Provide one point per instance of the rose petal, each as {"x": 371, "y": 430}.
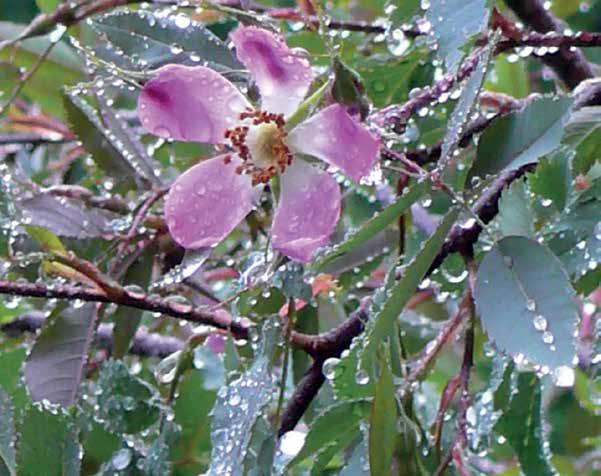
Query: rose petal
{"x": 336, "y": 138}
{"x": 190, "y": 104}
{"x": 207, "y": 202}
{"x": 308, "y": 211}
{"x": 282, "y": 75}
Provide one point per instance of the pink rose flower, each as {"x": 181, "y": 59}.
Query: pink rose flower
{"x": 210, "y": 199}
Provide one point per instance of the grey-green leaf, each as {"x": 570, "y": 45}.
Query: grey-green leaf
{"x": 66, "y": 217}
{"x": 331, "y": 425}
{"x": 516, "y": 216}
{"x": 376, "y": 224}
{"x": 109, "y": 153}
{"x": 54, "y": 367}
{"x": 522, "y": 137}
{"x": 238, "y": 407}
{"x": 125, "y": 402}
{"x": 454, "y": 23}
{"x": 525, "y": 301}
{"x": 521, "y": 424}
{"x": 146, "y": 40}
{"x": 381, "y": 325}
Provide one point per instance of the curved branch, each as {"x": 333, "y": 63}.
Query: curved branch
{"x": 570, "y": 65}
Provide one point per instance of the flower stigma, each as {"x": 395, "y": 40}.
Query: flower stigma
{"x": 260, "y": 141}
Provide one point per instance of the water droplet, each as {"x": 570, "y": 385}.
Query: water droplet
{"x": 121, "y": 459}
{"x": 564, "y": 376}
{"x": 540, "y": 323}
{"x": 292, "y": 442}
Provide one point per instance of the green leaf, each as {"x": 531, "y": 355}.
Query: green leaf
{"x": 522, "y": 137}
{"x": 64, "y": 217}
{"x": 537, "y": 317}
{"x": 191, "y": 409}
{"x": 141, "y": 40}
{"x": 388, "y": 80}
{"x": 511, "y": 77}
{"x": 62, "y": 65}
{"x": 7, "y": 435}
{"x": 463, "y": 110}
{"x": 48, "y": 240}
{"x": 381, "y": 325}
{"x": 383, "y": 423}
{"x": 454, "y": 24}
{"x": 48, "y": 6}
{"x": 552, "y": 178}
{"x": 515, "y": 216}
{"x": 583, "y": 134}
{"x": 521, "y": 424}
{"x": 348, "y": 87}
{"x": 333, "y": 424}
{"x": 376, "y": 224}
{"x": 109, "y": 153}
{"x": 54, "y": 367}
{"x": 127, "y": 142}
{"x": 239, "y": 405}
{"x": 47, "y": 444}
{"x": 10, "y": 75}
{"x": 125, "y": 402}
{"x": 128, "y": 319}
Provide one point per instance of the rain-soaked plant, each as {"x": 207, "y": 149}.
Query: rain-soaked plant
{"x": 347, "y": 237}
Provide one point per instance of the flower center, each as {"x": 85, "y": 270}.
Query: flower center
{"x": 260, "y": 142}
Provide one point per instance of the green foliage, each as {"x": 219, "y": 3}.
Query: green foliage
{"x": 235, "y": 359}
{"x": 522, "y": 426}
{"x": 522, "y": 137}
{"x": 538, "y": 315}
{"x": 47, "y": 443}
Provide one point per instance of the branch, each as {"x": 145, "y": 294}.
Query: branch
{"x": 570, "y": 65}
{"x": 144, "y": 343}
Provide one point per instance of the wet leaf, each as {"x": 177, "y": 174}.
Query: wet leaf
{"x": 7, "y": 435}
{"x": 332, "y": 425}
{"x": 522, "y": 424}
{"x": 47, "y": 444}
{"x": 380, "y": 326}
{"x": 125, "y": 402}
{"x": 538, "y": 315}
{"x": 383, "y": 423}
{"x": 65, "y": 217}
{"x": 127, "y": 142}
{"x": 522, "y": 137}
{"x": 516, "y": 216}
{"x": 239, "y": 405}
{"x": 62, "y": 65}
{"x": 375, "y": 225}
{"x": 465, "y": 106}
{"x": 127, "y": 320}
{"x": 108, "y": 151}
{"x": 54, "y": 367}
{"x": 192, "y": 408}
{"x": 147, "y": 40}
{"x": 454, "y": 23}
{"x": 552, "y": 178}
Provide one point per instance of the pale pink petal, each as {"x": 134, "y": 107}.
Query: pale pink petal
{"x": 190, "y": 104}
{"x": 333, "y": 136}
{"x": 207, "y": 202}
{"x": 308, "y": 211}
{"x": 283, "y": 76}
